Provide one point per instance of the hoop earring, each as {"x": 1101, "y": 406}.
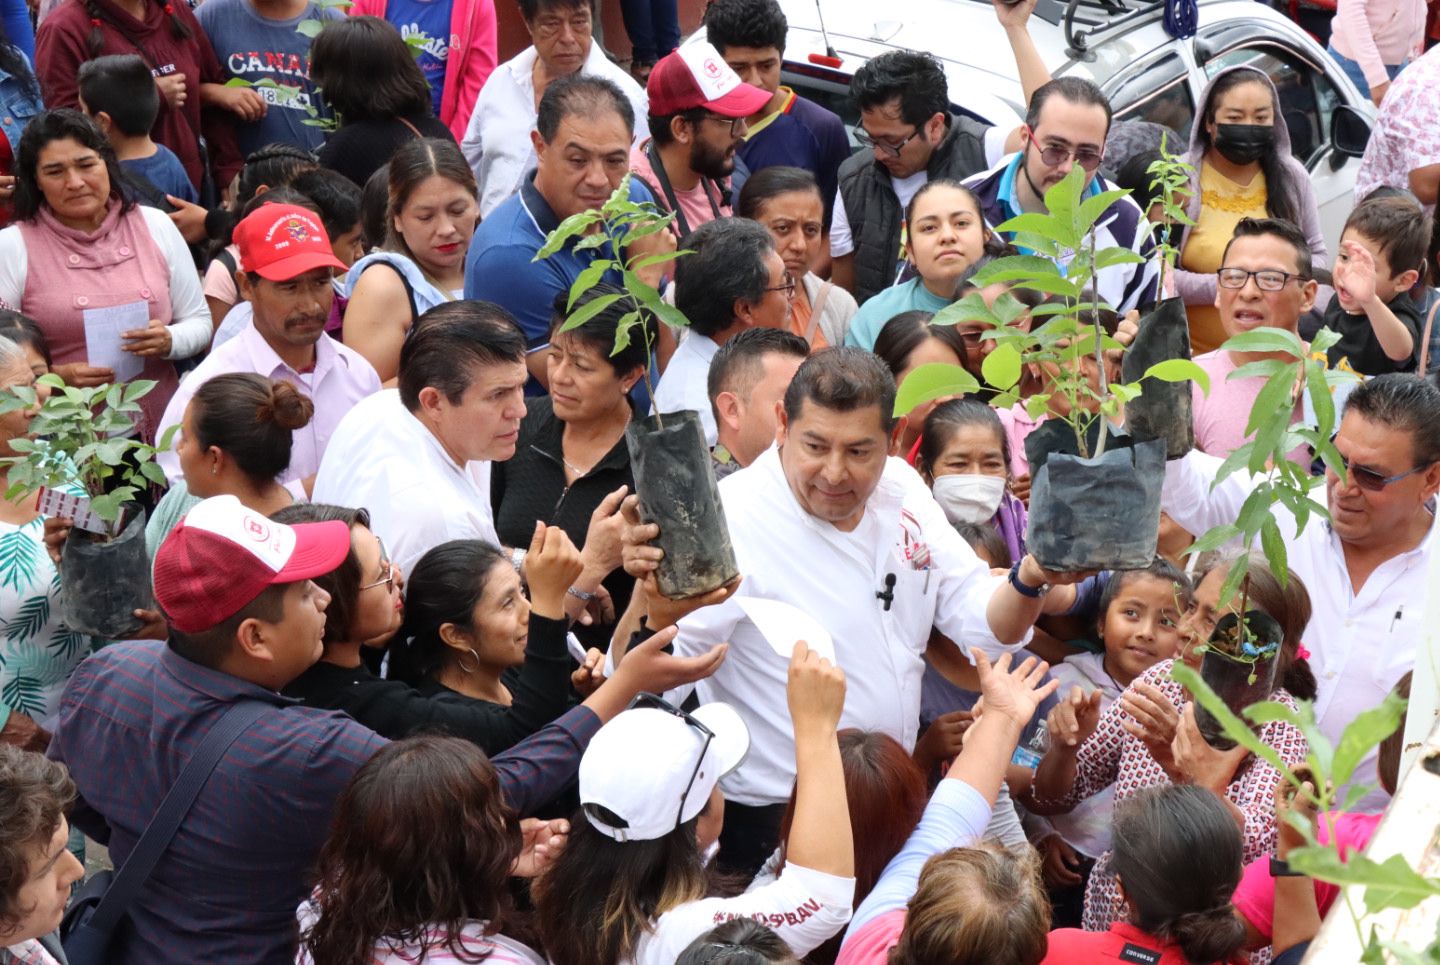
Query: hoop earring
{"x": 461, "y": 661}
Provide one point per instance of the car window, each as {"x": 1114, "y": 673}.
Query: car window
{"x": 1307, "y": 97}
{"x": 1157, "y": 92}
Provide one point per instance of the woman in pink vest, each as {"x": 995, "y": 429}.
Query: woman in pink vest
{"x": 111, "y": 284}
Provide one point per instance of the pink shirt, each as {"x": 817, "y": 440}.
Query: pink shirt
{"x": 1378, "y": 33}
{"x": 1255, "y": 897}
{"x": 698, "y": 204}
{"x": 1220, "y": 417}
{"x": 1407, "y": 132}
{"x": 1018, "y": 425}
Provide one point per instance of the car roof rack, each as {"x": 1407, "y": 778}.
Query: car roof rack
{"x": 1083, "y": 20}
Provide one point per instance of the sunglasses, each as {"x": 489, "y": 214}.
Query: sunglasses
{"x": 1372, "y": 481}
{"x": 1054, "y": 156}
{"x": 655, "y": 702}
{"x": 389, "y": 579}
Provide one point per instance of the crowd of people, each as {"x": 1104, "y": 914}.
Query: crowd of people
{"x": 408, "y": 689}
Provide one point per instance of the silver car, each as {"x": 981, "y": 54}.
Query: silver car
{"x": 1121, "y": 45}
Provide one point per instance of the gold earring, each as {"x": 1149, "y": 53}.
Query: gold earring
{"x": 461, "y": 661}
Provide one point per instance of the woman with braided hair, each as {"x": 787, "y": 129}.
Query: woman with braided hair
{"x": 194, "y": 103}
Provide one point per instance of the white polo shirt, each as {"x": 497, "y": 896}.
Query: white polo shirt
{"x": 1360, "y": 643}
{"x": 383, "y": 459}
{"x": 788, "y": 555}
{"x": 497, "y": 140}
{"x": 683, "y": 383}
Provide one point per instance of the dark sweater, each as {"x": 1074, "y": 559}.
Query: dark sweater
{"x": 392, "y": 709}
{"x": 1359, "y": 344}
{"x": 531, "y": 486}
{"x": 359, "y": 149}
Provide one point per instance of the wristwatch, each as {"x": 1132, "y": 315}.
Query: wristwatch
{"x": 1033, "y": 592}
{"x": 1282, "y": 869}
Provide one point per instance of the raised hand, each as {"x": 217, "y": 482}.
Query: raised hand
{"x": 1013, "y": 693}
{"x": 815, "y": 692}
{"x": 551, "y": 566}
{"x": 1074, "y": 718}
{"x": 1152, "y": 718}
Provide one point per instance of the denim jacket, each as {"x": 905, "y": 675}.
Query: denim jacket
{"x": 19, "y": 103}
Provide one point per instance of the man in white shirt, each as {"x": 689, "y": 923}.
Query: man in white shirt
{"x": 747, "y": 382}
{"x": 286, "y": 270}
{"x": 418, "y": 456}
{"x": 733, "y": 281}
{"x": 829, "y": 523}
{"x": 497, "y": 140}
{"x": 1366, "y": 569}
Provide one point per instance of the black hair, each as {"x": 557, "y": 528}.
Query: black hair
{"x": 727, "y": 265}
{"x": 993, "y": 244}
{"x": 1161, "y": 569}
{"x": 530, "y": 9}
{"x": 337, "y": 197}
{"x": 739, "y": 364}
{"x": 1280, "y": 187}
{"x": 449, "y": 342}
{"x": 582, "y": 94}
{"x": 375, "y": 207}
{"x": 771, "y": 182}
{"x": 251, "y": 419}
{"x": 1179, "y": 856}
{"x": 60, "y": 125}
{"x": 272, "y": 166}
{"x": 598, "y": 331}
{"x": 444, "y": 587}
{"x": 659, "y": 124}
{"x": 284, "y": 195}
{"x": 1397, "y": 226}
{"x": 25, "y": 332}
{"x": 745, "y": 23}
{"x": 416, "y": 162}
{"x": 843, "y": 378}
{"x": 367, "y": 71}
{"x": 987, "y": 537}
{"x": 1134, "y": 176}
{"x": 13, "y": 62}
{"x": 1279, "y": 228}
{"x": 1076, "y": 90}
{"x": 914, "y": 77}
{"x": 947, "y": 418}
{"x": 97, "y": 15}
{"x": 342, "y": 583}
{"x": 906, "y": 332}
{"x": 121, "y": 86}
{"x": 739, "y": 941}
{"x": 1402, "y": 401}
{"x": 211, "y": 646}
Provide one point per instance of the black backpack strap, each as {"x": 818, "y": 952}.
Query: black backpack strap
{"x": 228, "y": 260}
{"x": 133, "y": 874}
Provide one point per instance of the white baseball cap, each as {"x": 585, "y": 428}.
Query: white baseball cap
{"x": 654, "y": 769}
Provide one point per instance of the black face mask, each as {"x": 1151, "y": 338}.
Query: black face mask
{"x": 1244, "y": 143}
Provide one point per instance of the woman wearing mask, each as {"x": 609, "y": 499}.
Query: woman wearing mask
{"x": 431, "y": 218}
{"x": 965, "y": 457}
{"x": 948, "y": 237}
{"x": 908, "y": 341}
{"x": 1240, "y": 149}
{"x": 786, "y": 201}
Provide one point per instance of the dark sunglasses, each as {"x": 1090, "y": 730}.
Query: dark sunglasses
{"x": 656, "y": 702}
{"x": 1372, "y": 481}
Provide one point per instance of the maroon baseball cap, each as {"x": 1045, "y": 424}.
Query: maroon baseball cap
{"x": 223, "y": 555}
{"x": 281, "y": 241}
{"x": 695, "y": 75}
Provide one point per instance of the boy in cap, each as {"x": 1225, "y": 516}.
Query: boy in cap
{"x": 698, "y": 107}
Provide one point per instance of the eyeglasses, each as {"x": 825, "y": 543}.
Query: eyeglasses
{"x": 1055, "y": 155}
{"x": 884, "y": 147}
{"x": 787, "y": 286}
{"x": 1267, "y": 279}
{"x": 389, "y": 580}
{"x": 579, "y": 25}
{"x": 1370, "y": 480}
{"x": 738, "y": 127}
{"x": 654, "y": 702}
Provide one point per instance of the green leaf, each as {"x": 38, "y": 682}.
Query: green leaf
{"x": 152, "y": 473}
{"x": 1273, "y": 546}
{"x": 970, "y": 308}
{"x": 309, "y": 28}
{"x": 1213, "y": 539}
{"x": 1264, "y": 368}
{"x": 238, "y": 82}
{"x": 575, "y": 224}
{"x": 138, "y": 389}
{"x": 1238, "y": 569}
{"x": 1324, "y": 340}
{"x": 1045, "y": 225}
{"x": 1266, "y": 340}
{"x": 589, "y": 310}
{"x": 932, "y": 381}
{"x": 1179, "y": 370}
{"x": 1320, "y": 398}
{"x": 1273, "y": 402}
{"x": 1364, "y": 733}
{"x": 167, "y": 438}
{"x": 588, "y": 278}
{"x": 1388, "y": 884}
{"x": 1001, "y": 368}
{"x": 1092, "y": 209}
{"x": 1110, "y": 257}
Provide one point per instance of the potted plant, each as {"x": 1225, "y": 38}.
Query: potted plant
{"x": 1095, "y": 491}
{"x": 1164, "y": 410}
{"x": 79, "y": 452}
{"x": 671, "y": 464}
{"x": 1300, "y": 372}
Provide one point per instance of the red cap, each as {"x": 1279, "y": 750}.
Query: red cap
{"x": 223, "y": 555}
{"x": 694, "y": 76}
{"x": 280, "y": 241}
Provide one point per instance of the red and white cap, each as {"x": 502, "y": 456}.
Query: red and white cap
{"x": 223, "y": 555}
{"x": 280, "y": 241}
{"x": 695, "y": 75}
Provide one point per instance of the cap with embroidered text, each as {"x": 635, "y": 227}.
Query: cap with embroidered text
{"x": 695, "y": 75}
{"x": 223, "y": 555}
{"x": 280, "y": 241}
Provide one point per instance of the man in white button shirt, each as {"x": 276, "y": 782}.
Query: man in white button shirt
{"x": 1366, "y": 568}
{"x": 497, "y": 141}
{"x": 734, "y": 280}
{"x": 829, "y": 523}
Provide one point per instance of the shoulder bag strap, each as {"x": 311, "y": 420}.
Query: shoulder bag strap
{"x": 162, "y": 827}
{"x": 1425, "y": 338}
{"x": 413, "y": 129}
{"x": 817, "y": 308}
{"x": 658, "y": 168}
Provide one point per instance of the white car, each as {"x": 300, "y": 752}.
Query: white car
{"x": 1121, "y": 45}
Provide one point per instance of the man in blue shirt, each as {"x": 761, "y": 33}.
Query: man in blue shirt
{"x": 584, "y": 129}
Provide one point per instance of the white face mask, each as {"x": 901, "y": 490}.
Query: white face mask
{"x": 969, "y": 497}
